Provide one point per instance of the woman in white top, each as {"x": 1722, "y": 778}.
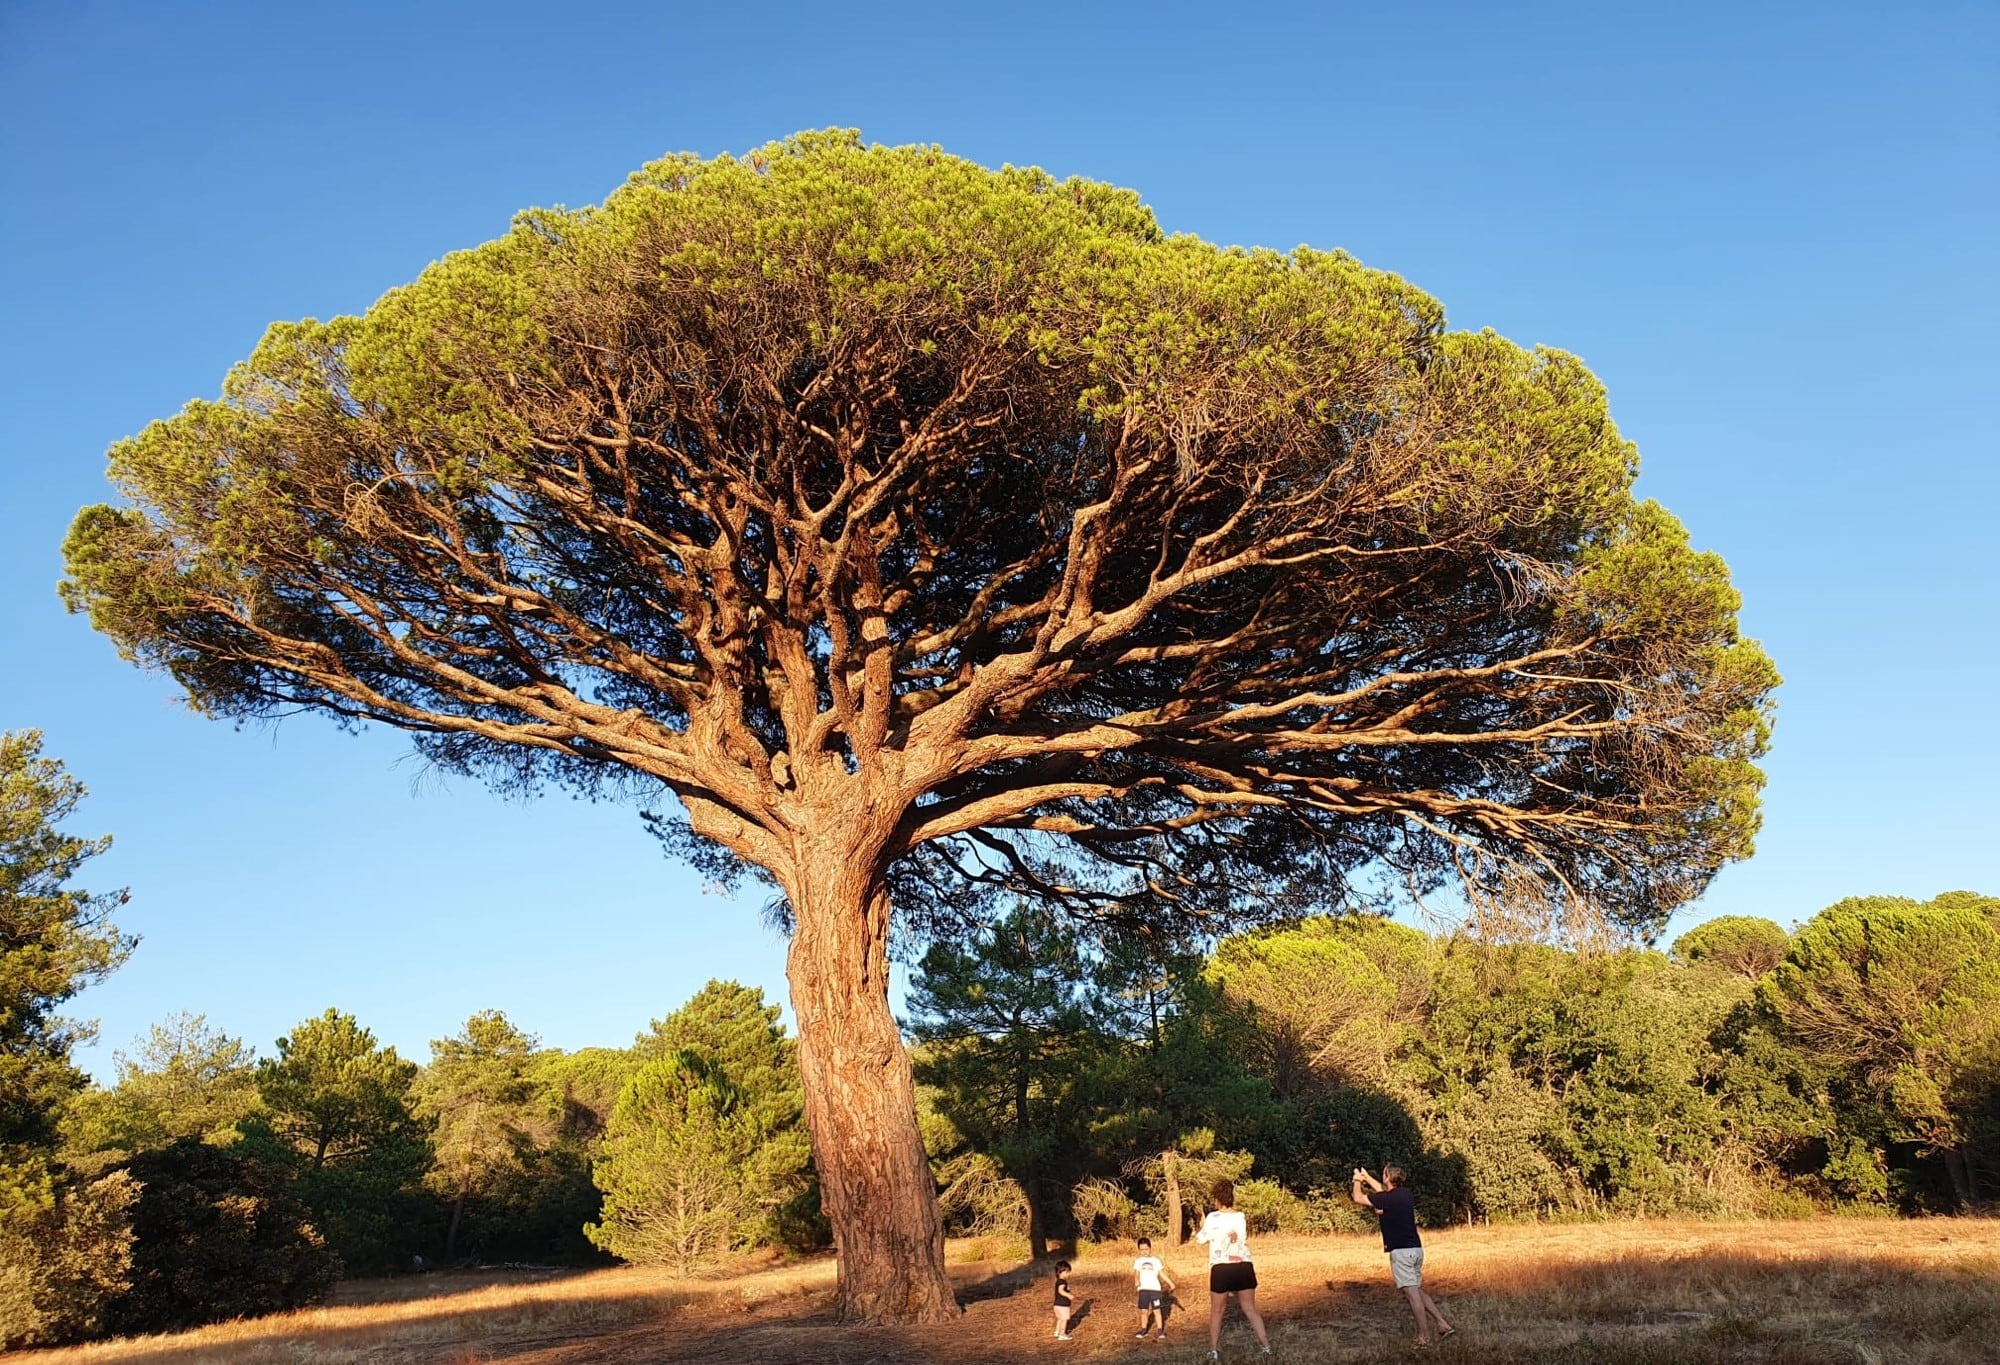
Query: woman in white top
{"x": 1230, "y": 1269}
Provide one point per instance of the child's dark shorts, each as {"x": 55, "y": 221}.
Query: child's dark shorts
{"x": 1149, "y": 1299}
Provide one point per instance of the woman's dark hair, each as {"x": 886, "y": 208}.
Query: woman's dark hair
{"x": 1224, "y": 1194}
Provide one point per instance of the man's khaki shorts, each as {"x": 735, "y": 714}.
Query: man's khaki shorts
{"x": 1407, "y": 1265}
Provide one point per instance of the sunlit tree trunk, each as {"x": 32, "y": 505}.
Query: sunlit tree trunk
{"x": 875, "y": 1182}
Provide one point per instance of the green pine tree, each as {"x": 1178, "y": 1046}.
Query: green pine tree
{"x": 338, "y": 1108}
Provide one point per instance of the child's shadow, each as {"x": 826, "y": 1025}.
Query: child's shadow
{"x": 1079, "y": 1313}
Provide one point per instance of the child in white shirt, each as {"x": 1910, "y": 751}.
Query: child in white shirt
{"x": 1151, "y": 1275}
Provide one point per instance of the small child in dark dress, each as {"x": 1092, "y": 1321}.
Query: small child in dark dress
{"x": 1063, "y": 1301}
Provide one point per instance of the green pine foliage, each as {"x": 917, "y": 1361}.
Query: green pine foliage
{"x": 1901, "y": 1001}
{"x": 338, "y": 1109}
{"x": 64, "y": 1242}
{"x": 218, "y": 1233}
{"x": 54, "y": 941}
{"x": 736, "y": 1034}
{"x": 1012, "y": 1041}
{"x": 676, "y": 1163}
{"x": 706, "y": 1152}
{"x": 1743, "y": 944}
{"x": 186, "y": 1080}
{"x": 477, "y": 1096}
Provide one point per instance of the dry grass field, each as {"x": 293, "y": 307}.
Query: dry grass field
{"x": 1867, "y": 1292}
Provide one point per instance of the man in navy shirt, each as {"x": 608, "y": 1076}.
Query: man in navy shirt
{"x": 1393, "y": 1203}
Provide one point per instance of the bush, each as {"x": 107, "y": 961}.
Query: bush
{"x": 64, "y": 1252}
{"x": 1332, "y": 1210}
{"x": 217, "y": 1234}
{"x": 1268, "y": 1206}
{"x": 1501, "y": 1131}
{"x": 978, "y": 1199}
{"x": 1103, "y": 1210}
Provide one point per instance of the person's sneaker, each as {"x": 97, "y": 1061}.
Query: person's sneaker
{"x": 1139, "y": 1335}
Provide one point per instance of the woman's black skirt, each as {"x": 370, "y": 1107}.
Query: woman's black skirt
{"x": 1232, "y": 1277}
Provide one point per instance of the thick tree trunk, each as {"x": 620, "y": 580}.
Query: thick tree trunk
{"x": 1031, "y": 1186}
{"x": 1957, "y": 1168}
{"x": 875, "y": 1182}
{"x": 457, "y": 1213}
{"x": 1038, "y": 1228}
{"x": 1173, "y": 1184}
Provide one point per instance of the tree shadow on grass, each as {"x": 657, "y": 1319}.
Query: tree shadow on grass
{"x": 1002, "y": 1284}
{"x": 444, "y": 1284}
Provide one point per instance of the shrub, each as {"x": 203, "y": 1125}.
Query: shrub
{"x": 1268, "y": 1206}
{"x": 978, "y": 1199}
{"x": 1103, "y": 1210}
{"x": 65, "y": 1250}
{"x": 217, "y": 1234}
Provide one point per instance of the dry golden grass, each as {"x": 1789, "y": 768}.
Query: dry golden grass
{"x": 1807, "y": 1293}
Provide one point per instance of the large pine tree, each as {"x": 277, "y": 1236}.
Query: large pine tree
{"x": 914, "y": 524}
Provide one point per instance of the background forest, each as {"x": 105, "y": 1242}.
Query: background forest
{"x": 1071, "y": 1088}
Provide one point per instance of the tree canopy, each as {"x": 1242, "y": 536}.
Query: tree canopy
{"x": 677, "y": 1170}
{"x": 844, "y": 458}
{"x": 186, "y": 1080}
{"x": 1904, "y": 997}
{"x": 923, "y": 525}
{"x": 54, "y": 940}
{"x": 476, "y": 1094}
{"x": 64, "y": 1241}
{"x": 1006, "y": 1020}
{"x": 337, "y": 1107}
{"x": 1743, "y": 944}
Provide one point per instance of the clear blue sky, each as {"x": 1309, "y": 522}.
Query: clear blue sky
{"x": 1770, "y": 228}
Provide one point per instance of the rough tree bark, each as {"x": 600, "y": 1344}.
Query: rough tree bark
{"x": 875, "y": 1182}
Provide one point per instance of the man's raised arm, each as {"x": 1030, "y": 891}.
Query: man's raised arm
{"x": 1361, "y": 1177}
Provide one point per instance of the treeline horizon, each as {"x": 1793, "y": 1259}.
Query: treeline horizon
{"x": 1075, "y": 1087}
